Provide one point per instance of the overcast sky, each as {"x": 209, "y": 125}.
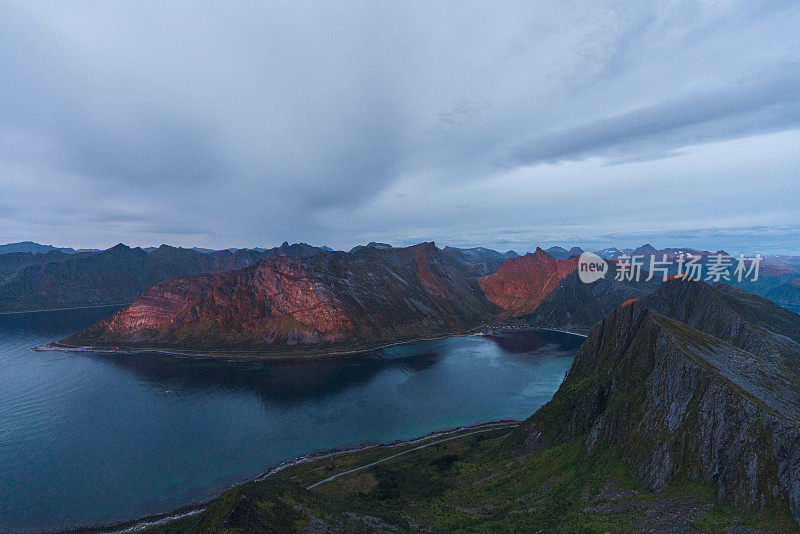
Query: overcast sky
{"x": 500, "y": 124}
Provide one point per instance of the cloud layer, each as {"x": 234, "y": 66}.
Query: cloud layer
{"x": 246, "y": 124}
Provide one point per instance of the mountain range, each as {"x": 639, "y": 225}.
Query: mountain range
{"x": 118, "y": 275}
{"x": 560, "y": 253}
{"x": 29, "y": 271}
{"x": 329, "y": 300}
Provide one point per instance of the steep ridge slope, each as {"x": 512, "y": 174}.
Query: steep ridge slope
{"x": 365, "y": 297}
{"x": 730, "y": 314}
{"x": 678, "y": 404}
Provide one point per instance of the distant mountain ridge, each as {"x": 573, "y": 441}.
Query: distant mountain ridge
{"x": 779, "y": 276}
{"x": 647, "y": 249}
{"x": 371, "y": 244}
{"x": 560, "y": 253}
{"x": 30, "y": 247}
{"x": 482, "y": 261}
{"x": 114, "y": 276}
{"x": 27, "y": 284}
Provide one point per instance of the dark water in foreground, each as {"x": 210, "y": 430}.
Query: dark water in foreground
{"x": 98, "y": 438}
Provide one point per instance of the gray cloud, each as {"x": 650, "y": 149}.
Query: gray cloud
{"x": 231, "y": 124}
{"x": 769, "y": 101}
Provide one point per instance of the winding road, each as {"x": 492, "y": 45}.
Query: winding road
{"x": 367, "y": 466}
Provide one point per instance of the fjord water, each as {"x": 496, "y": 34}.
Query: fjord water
{"x": 92, "y": 439}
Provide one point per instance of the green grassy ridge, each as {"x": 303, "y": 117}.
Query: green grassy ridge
{"x": 467, "y": 485}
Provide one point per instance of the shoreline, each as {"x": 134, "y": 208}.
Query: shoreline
{"x": 584, "y": 336}
{"x": 56, "y": 346}
{"x": 118, "y": 305}
{"x": 198, "y": 507}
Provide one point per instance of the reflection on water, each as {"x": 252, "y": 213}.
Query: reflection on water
{"x": 522, "y": 341}
{"x": 89, "y": 438}
{"x": 281, "y": 382}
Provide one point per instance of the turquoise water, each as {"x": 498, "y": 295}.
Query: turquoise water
{"x": 92, "y": 439}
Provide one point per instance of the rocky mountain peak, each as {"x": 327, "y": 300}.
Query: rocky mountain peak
{"x": 645, "y": 250}
{"x": 677, "y": 403}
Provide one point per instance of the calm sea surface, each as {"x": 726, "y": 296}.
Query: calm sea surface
{"x": 91, "y": 439}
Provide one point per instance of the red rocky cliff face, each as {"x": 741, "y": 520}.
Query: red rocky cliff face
{"x": 272, "y": 301}
{"x": 351, "y": 299}
{"x": 522, "y": 283}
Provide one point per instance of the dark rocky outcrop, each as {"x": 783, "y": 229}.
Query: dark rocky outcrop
{"x": 371, "y": 244}
{"x": 576, "y": 306}
{"x": 295, "y": 250}
{"x": 645, "y": 250}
